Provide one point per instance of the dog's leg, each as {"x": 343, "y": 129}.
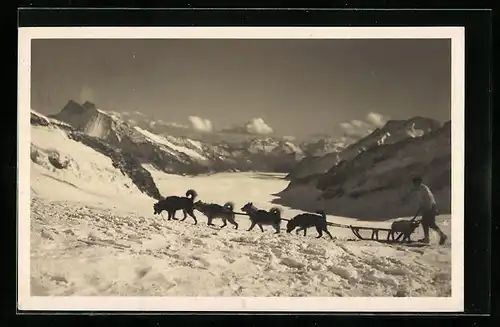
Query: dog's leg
{"x": 277, "y": 227}
{"x": 185, "y": 216}
{"x": 169, "y": 215}
{"x": 191, "y": 213}
{"x": 320, "y": 232}
{"x": 233, "y": 221}
{"x": 327, "y": 232}
{"x": 173, "y": 215}
{"x": 251, "y": 227}
{"x": 224, "y": 220}
{"x": 184, "y": 213}
{"x": 210, "y": 218}
{"x": 262, "y": 229}
{"x": 305, "y": 231}
{"x": 297, "y": 231}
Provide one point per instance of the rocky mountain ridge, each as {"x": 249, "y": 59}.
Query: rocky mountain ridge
{"x": 392, "y": 132}
{"x": 374, "y": 183}
{"x": 182, "y": 155}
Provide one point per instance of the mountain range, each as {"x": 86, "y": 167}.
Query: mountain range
{"x": 334, "y": 175}
{"x": 178, "y": 149}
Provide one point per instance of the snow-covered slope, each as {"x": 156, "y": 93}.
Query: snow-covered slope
{"x": 60, "y": 150}
{"x": 83, "y": 246}
{"x": 374, "y": 183}
{"x": 60, "y": 164}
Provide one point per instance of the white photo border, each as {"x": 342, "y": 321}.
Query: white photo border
{"x": 454, "y": 303}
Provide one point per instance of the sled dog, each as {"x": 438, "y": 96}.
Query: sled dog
{"x": 213, "y": 211}
{"x": 306, "y": 220}
{"x": 262, "y": 217}
{"x": 173, "y": 203}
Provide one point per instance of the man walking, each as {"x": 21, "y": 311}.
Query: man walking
{"x": 428, "y": 210}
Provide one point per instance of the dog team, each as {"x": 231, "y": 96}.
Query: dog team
{"x": 259, "y": 217}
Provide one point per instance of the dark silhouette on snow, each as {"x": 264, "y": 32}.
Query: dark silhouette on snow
{"x": 173, "y": 203}
{"x": 213, "y": 211}
{"x": 262, "y": 217}
{"x": 306, "y": 220}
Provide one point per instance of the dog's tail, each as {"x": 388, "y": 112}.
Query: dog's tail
{"x": 229, "y": 206}
{"x": 191, "y": 194}
{"x": 275, "y": 211}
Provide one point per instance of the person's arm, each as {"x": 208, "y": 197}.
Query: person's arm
{"x": 416, "y": 215}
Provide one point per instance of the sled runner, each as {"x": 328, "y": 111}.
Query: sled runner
{"x": 375, "y": 234}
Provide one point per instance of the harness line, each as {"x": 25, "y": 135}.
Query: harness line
{"x": 328, "y": 223}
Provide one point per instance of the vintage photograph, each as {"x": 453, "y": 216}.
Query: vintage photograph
{"x": 223, "y": 167}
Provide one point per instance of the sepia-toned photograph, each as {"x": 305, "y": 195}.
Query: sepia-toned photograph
{"x": 213, "y": 166}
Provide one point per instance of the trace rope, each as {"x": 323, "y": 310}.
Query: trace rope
{"x": 355, "y": 229}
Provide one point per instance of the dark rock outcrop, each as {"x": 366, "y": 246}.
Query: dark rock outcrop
{"x": 38, "y": 120}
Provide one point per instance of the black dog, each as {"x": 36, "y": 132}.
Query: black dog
{"x": 263, "y": 217}
{"x": 405, "y": 227}
{"x": 306, "y": 220}
{"x": 213, "y": 210}
{"x": 173, "y": 203}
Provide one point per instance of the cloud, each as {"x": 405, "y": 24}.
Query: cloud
{"x": 376, "y": 119}
{"x": 258, "y": 126}
{"x": 86, "y": 94}
{"x": 200, "y": 124}
{"x": 360, "y": 128}
{"x": 360, "y": 124}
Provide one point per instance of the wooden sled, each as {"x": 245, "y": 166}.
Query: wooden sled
{"x": 390, "y": 238}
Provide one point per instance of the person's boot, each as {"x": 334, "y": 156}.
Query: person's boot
{"x": 442, "y": 239}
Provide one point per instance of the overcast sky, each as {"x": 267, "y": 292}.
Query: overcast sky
{"x": 297, "y": 87}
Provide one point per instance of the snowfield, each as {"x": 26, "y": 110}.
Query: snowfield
{"x": 90, "y": 236}
{"x": 87, "y": 173}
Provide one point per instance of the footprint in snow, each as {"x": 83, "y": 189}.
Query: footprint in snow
{"x": 141, "y": 272}
{"x": 69, "y": 232}
{"x": 292, "y": 263}
{"x": 59, "y": 279}
{"x": 47, "y": 235}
